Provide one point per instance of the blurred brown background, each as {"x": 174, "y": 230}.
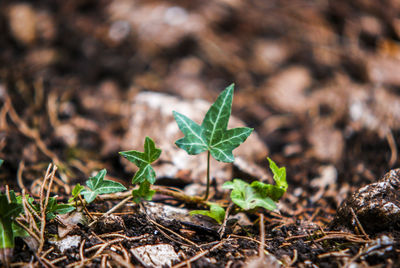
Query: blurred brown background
{"x": 318, "y": 80}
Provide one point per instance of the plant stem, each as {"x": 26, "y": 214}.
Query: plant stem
{"x": 208, "y": 176}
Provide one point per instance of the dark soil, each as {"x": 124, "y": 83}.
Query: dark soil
{"x": 317, "y": 80}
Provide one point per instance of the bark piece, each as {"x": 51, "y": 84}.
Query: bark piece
{"x": 376, "y": 205}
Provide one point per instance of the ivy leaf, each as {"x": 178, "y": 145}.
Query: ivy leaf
{"x": 248, "y": 197}
{"x": 144, "y": 192}
{"x": 98, "y": 185}
{"x": 279, "y": 174}
{"x": 54, "y": 208}
{"x": 8, "y": 212}
{"x": 76, "y": 191}
{"x": 216, "y": 212}
{"x": 268, "y": 190}
{"x": 212, "y": 135}
{"x": 143, "y": 161}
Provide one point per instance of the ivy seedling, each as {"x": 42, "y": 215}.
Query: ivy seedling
{"x": 98, "y": 185}
{"x": 212, "y": 135}
{"x": 259, "y": 194}
{"x": 76, "y": 191}
{"x": 146, "y": 175}
{"x": 216, "y": 212}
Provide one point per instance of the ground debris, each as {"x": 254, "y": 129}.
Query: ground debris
{"x": 159, "y": 255}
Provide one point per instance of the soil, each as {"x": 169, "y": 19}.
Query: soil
{"x": 318, "y": 81}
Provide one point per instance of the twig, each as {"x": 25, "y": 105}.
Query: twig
{"x": 341, "y": 253}
{"x": 81, "y": 255}
{"x": 47, "y": 252}
{"x": 58, "y": 260}
{"x": 359, "y": 224}
{"x": 221, "y": 231}
{"x": 262, "y": 236}
{"x": 85, "y": 208}
{"x": 393, "y": 148}
{"x": 43, "y": 203}
{"x": 245, "y": 237}
{"x": 103, "y": 262}
{"x": 294, "y": 259}
{"x": 198, "y": 256}
{"x": 8, "y": 193}
{"x": 160, "y": 190}
{"x": 20, "y": 170}
{"x": 29, "y": 231}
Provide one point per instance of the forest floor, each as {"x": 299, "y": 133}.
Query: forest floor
{"x": 80, "y": 82}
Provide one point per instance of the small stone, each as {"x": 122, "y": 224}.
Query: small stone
{"x": 160, "y": 255}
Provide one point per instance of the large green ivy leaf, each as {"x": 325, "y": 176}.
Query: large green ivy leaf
{"x": 98, "y": 185}
{"x": 143, "y": 161}
{"x": 212, "y": 135}
{"x": 248, "y": 197}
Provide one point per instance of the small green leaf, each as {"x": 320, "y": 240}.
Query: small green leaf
{"x": 1, "y": 162}
{"x": 8, "y": 212}
{"x": 143, "y": 161}
{"x": 279, "y": 175}
{"x": 64, "y": 208}
{"x": 248, "y": 197}
{"x": 54, "y": 208}
{"x": 97, "y": 185}
{"x": 216, "y": 212}
{"x": 77, "y": 190}
{"x": 212, "y": 135}
{"x": 143, "y": 193}
{"x": 268, "y": 190}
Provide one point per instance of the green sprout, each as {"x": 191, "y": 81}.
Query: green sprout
{"x": 216, "y": 212}
{"x": 212, "y": 135}
{"x": 146, "y": 175}
{"x": 259, "y": 194}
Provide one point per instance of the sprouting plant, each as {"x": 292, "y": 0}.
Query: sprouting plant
{"x": 212, "y": 135}
{"x": 216, "y": 212}
{"x": 78, "y": 188}
{"x": 98, "y": 185}
{"x": 146, "y": 175}
{"x": 52, "y": 208}
{"x": 258, "y": 194}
